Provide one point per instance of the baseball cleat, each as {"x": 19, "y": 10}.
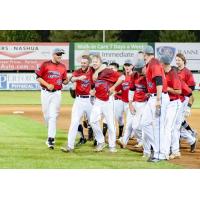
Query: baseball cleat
{"x": 174, "y": 155}
{"x": 100, "y": 147}
{"x": 66, "y": 149}
{"x": 155, "y": 160}
{"x": 95, "y": 143}
{"x": 193, "y": 147}
{"x": 50, "y": 143}
{"x": 138, "y": 145}
{"x": 112, "y": 149}
{"x": 81, "y": 141}
{"x": 120, "y": 143}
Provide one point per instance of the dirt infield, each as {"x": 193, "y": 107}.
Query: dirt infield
{"x": 188, "y": 160}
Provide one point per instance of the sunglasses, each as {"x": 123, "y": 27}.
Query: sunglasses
{"x": 59, "y": 54}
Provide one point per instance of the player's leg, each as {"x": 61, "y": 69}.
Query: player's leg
{"x": 77, "y": 113}
{"x": 159, "y": 129}
{"x": 95, "y": 117}
{"x": 108, "y": 113}
{"x": 119, "y": 115}
{"x": 175, "y": 140}
{"x": 45, "y": 101}
{"x": 54, "y": 109}
{"x": 170, "y": 120}
{"x": 123, "y": 141}
{"x": 136, "y": 125}
{"x": 147, "y": 127}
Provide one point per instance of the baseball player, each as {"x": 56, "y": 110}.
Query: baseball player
{"x": 174, "y": 89}
{"x": 82, "y": 104}
{"x": 51, "y": 75}
{"x": 185, "y": 74}
{"x": 155, "y": 110}
{"x": 137, "y": 101}
{"x": 104, "y": 78}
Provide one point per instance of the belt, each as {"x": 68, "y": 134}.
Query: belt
{"x": 155, "y": 94}
{"x": 116, "y": 98}
{"x": 50, "y": 90}
{"x": 83, "y": 96}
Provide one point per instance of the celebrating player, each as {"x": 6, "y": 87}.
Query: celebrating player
{"x": 185, "y": 74}
{"x": 154, "y": 114}
{"x": 104, "y": 104}
{"x": 51, "y": 75}
{"x": 82, "y": 104}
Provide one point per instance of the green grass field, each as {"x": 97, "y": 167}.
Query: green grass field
{"x": 22, "y": 146}
{"x": 28, "y": 98}
{"x": 33, "y": 97}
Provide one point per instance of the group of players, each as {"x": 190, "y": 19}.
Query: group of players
{"x": 155, "y": 97}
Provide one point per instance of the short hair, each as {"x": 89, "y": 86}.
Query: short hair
{"x": 181, "y": 56}
{"x": 97, "y": 56}
{"x": 86, "y": 57}
{"x": 116, "y": 65}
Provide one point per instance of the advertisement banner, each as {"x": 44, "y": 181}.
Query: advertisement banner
{"x": 28, "y": 56}
{"x": 21, "y": 81}
{"x": 190, "y": 50}
{"x": 112, "y": 52}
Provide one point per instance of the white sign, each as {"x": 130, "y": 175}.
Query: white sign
{"x": 190, "y": 50}
{"x": 21, "y": 81}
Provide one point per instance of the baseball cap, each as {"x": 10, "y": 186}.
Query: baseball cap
{"x": 129, "y": 62}
{"x": 58, "y": 50}
{"x": 139, "y": 65}
{"x": 165, "y": 59}
{"x": 148, "y": 50}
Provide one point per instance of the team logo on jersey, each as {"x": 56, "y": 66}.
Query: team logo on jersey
{"x": 85, "y": 83}
{"x": 101, "y": 83}
{"x": 166, "y": 50}
{"x": 125, "y": 86}
{"x": 140, "y": 87}
{"x": 53, "y": 74}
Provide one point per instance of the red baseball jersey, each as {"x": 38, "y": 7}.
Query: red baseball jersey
{"x": 186, "y": 75}
{"x": 83, "y": 87}
{"x": 118, "y": 95}
{"x": 124, "y": 87}
{"x": 173, "y": 81}
{"x": 186, "y": 91}
{"x": 52, "y": 73}
{"x": 153, "y": 69}
{"x": 138, "y": 83}
{"x": 105, "y": 80}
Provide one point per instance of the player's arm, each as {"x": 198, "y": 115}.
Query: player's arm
{"x": 43, "y": 82}
{"x": 78, "y": 78}
{"x": 119, "y": 81}
{"x": 96, "y": 73}
{"x": 173, "y": 91}
{"x": 159, "y": 87}
{"x": 130, "y": 99}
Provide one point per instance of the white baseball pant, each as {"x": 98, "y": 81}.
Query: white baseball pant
{"x": 51, "y": 107}
{"x": 80, "y": 106}
{"x": 153, "y": 127}
{"x": 171, "y": 131}
{"x": 105, "y": 109}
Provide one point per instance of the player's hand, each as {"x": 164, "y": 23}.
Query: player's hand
{"x": 80, "y": 78}
{"x": 187, "y": 111}
{"x": 132, "y": 109}
{"x": 92, "y": 92}
{"x": 112, "y": 90}
{"x": 50, "y": 87}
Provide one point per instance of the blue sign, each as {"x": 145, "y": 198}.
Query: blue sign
{"x": 3, "y": 81}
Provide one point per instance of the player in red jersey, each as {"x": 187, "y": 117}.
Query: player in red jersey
{"x": 155, "y": 111}
{"x": 51, "y": 75}
{"x": 104, "y": 104}
{"x": 137, "y": 101}
{"x": 174, "y": 89}
{"x": 185, "y": 74}
{"x": 82, "y": 104}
